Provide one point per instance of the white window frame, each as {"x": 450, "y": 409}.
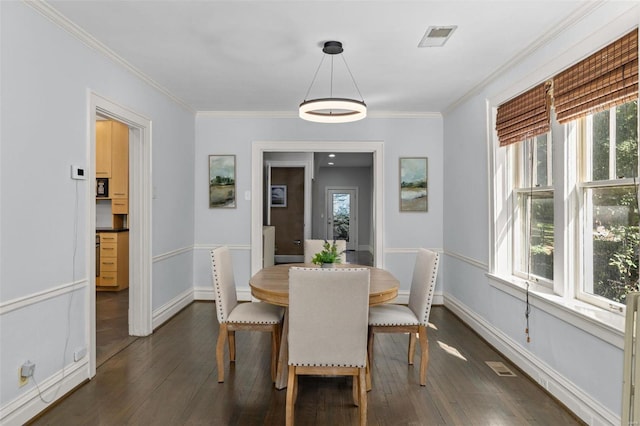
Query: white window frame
{"x": 585, "y": 267}
{"x": 523, "y": 176}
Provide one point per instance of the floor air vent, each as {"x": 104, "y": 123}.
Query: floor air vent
{"x": 500, "y": 369}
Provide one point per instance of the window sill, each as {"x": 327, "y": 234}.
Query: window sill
{"x": 601, "y": 323}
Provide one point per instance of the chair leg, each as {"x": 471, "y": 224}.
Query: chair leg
{"x": 368, "y": 375}
{"x": 355, "y": 391}
{"x": 291, "y": 396}
{"x": 412, "y": 347}
{"x": 274, "y": 352}
{"x": 363, "y": 396}
{"x": 232, "y": 346}
{"x": 222, "y": 336}
{"x": 424, "y": 354}
{"x": 370, "y": 345}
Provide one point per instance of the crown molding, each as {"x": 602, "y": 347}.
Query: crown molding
{"x": 49, "y": 12}
{"x": 585, "y": 9}
{"x": 292, "y": 114}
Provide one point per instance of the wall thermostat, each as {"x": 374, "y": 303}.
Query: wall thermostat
{"x": 77, "y": 173}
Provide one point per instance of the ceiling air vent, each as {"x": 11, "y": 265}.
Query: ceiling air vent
{"x": 437, "y": 36}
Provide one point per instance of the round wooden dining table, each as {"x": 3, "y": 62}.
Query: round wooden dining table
{"x": 271, "y": 285}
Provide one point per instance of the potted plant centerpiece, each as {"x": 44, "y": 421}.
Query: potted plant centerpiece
{"x": 328, "y": 256}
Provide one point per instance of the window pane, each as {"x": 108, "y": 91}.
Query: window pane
{"x": 536, "y": 253}
{"x": 542, "y": 167}
{"x": 627, "y": 140}
{"x": 600, "y": 153}
{"x": 536, "y": 157}
{"x": 341, "y": 210}
{"x": 614, "y": 235}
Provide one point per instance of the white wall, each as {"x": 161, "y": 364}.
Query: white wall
{"x": 46, "y": 77}
{"x": 403, "y": 232}
{"x": 579, "y": 368}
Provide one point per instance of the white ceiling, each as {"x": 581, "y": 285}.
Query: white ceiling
{"x": 261, "y": 56}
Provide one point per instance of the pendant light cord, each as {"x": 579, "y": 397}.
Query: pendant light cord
{"x": 314, "y": 78}
{"x": 315, "y": 75}
{"x": 352, "y": 79}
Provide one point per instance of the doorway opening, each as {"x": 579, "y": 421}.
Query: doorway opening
{"x": 258, "y": 213}
{"x": 139, "y": 313}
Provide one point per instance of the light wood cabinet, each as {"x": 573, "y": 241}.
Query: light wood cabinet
{"x": 119, "y": 184}
{"x": 114, "y": 261}
{"x": 119, "y": 206}
{"x": 103, "y": 149}
{"x": 112, "y": 161}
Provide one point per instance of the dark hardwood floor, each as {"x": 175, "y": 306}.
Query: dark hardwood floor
{"x": 169, "y": 378}
{"x": 112, "y": 324}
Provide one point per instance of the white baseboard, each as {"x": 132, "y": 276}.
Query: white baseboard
{"x": 168, "y": 310}
{"x": 28, "y": 405}
{"x": 206, "y": 293}
{"x": 403, "y": 298}
{"x": 580, "y": 403}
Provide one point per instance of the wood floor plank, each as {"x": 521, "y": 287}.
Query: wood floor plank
{"x": 170, "y": 378}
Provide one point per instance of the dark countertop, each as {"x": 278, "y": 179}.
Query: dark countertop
{"x": 112, "y": 229}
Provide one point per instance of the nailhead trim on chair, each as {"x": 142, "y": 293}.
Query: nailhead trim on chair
{"x": 327, "y": 365}
{"x": 254, "y": 322}
{"x": 432, "y": 286}
{"x": 216, "y": 284}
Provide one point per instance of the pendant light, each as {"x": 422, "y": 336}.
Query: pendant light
{"x": 331, "y": 109}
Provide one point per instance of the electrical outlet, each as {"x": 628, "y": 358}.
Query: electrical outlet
{"x": 79, "y": 353}
{"x": 21, "y": 379}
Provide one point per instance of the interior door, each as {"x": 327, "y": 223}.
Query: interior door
{"x": 287, "y": 203}
{"x": 342, "y": 213}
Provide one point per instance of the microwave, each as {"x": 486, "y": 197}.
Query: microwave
{"x": 102, "y": 187}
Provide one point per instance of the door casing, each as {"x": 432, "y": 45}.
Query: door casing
{"x": 140, "y": 191}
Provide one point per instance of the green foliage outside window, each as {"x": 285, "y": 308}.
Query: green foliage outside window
{"x": 615, "y": 209}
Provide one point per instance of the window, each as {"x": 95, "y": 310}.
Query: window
{"x": 609, "y": 195}
{"x": 533, "y": 228}
{"x": 565, "y": 203}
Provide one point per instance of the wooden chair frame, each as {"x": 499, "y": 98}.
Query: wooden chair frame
{"x": 413, "y": 330}
{"x": 228, "y": 332}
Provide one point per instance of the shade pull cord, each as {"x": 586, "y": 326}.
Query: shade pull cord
{"x": 527, "y": 310}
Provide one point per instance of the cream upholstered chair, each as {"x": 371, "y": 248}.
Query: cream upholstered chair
{"x": 328, "y": 310}
{"x": 234, "y": 316}
{"x": 311, "y": 247}
{"x": 414, "y": 318}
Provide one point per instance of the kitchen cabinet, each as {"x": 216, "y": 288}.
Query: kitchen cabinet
{"x": 119, "y": 184}
{"x": 112, "y": 161}
{"x": 103, "y": 149}
{"x": 113, "y": 271}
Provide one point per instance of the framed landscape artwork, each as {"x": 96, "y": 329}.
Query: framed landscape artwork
{"x": 278, "y": 195}
{"x": 222, "y": 181}
{"x": 413, "y": 184}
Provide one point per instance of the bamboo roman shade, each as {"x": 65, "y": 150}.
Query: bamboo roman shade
{"x": 604, "y": 80}
{"x": 524, "y": 116}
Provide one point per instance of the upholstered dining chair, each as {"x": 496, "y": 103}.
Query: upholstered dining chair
{"x": 328, "y": 311}
{"x": 311, "y": 247}
{"x": 414, "y": 318}
{"x": 234, "y": 316}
